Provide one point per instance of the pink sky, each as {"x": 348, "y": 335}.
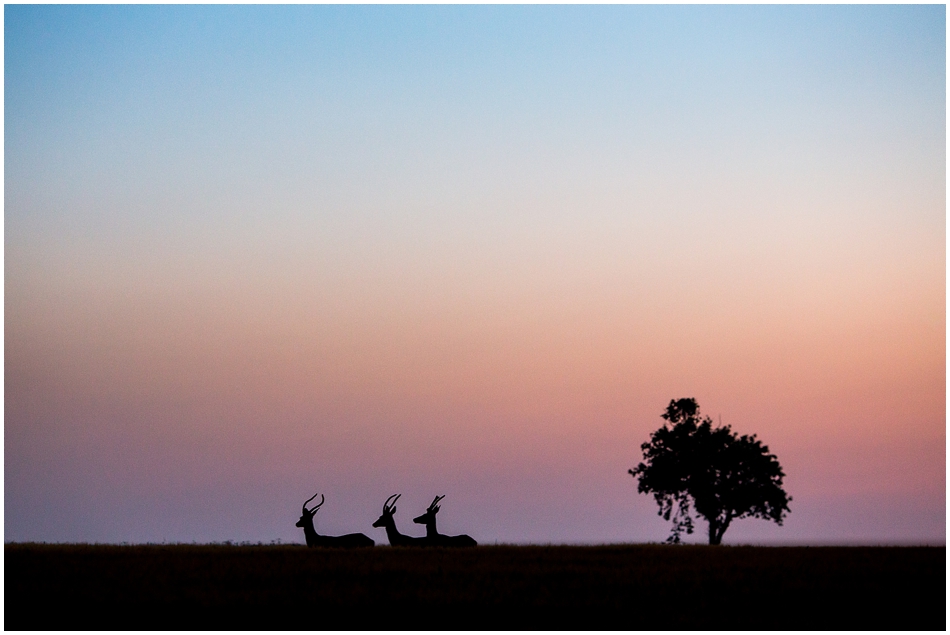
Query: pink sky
{"x": 478, "y": 267}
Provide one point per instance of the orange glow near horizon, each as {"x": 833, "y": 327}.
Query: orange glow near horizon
{"x": 470, "y": 251}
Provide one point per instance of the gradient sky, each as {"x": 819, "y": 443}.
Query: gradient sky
{"x": 256, "y": 252}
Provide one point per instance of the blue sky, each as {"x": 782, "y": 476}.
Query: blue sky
{"x": 478, "y": 246}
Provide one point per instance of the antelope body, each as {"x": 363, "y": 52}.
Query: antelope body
{"x": 386, "y": 520}
{"x": 432, "y": 534}
{"x": 316, "y": 540}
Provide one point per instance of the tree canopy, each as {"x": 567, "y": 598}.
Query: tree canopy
{"x": 691, "y": 467}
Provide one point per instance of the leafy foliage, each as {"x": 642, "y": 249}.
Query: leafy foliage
{"x": 690, "y": 466}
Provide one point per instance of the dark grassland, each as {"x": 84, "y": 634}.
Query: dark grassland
{"x": 498, "y": 587}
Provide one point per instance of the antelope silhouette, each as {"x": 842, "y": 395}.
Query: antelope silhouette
{"x": 316, "y": 540}
{"x": 432, "y": 534}
{"x": 396, "y": 539}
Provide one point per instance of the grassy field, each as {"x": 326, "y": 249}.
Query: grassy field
{"x": 511, "y": 587}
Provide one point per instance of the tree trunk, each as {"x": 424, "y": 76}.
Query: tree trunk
{"x": 717, "y": 528}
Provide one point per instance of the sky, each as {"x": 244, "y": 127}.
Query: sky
{"x": 257, "y": 252}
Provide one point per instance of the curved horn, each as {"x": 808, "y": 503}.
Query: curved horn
{"x": 435, "y": 501}
{"x": 307, "y": 501}
{"x": 316, "y": 507}
{"x": 392, "y": 498}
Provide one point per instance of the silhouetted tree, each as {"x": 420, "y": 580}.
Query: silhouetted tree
{"x": 721, "y": 475}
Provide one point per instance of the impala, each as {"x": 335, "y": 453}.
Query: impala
{"x": 396, "y": 539}
{"x": 432, "y": 534}
{"x": 316, "y": 540}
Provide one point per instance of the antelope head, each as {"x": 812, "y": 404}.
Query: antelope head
{"x": 389, "y": 508}
{"x": 429, "y": 516}
{"x": 306, "y": 516}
